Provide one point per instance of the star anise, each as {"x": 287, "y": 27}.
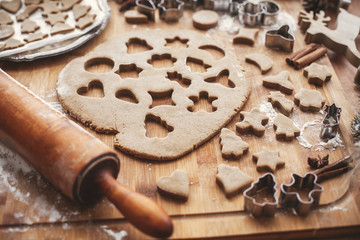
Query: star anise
{"x": 319, "y": 162}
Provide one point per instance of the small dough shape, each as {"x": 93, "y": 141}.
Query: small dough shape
{"x": 11, "y": 5}
{"x": 27, "y": 12}
{"x": 262, "y": 61}
{"x": 29, "y": 2}
{"x": 267, "y": 160}
{"x": 135, "y": 17}
{"x": 29, "y": 26}
{"x": 246, "y": 36}
{"x": 5, "y": 18}
{"x": 68, "y": 4}
{"x": 205, "y": 19}
{"x": 85, "y": 21}
{"x": 285, "y": 128}
{"x": 12, "y": 43}
{"x": 50, "y": 7}
{"x": 317, "y": 74}
{"x": 232, "y": 179}
{"x": 232, "y": 146}
{"x": 253, "y": 121}
{"x": 177, "y": 185}
{"x": 6, "y": 31}
{"x": 280, "y": 82}
{"x": 54, "y": 18}
{"x": 61, "y": 28}
{"x": 279, "y": 101}
{"x": 80, "y": 11}
{"x": 309, "y": 100}
{"x": 33, "y": 37}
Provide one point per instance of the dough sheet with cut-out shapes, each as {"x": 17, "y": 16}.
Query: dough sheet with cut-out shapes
{"x": 167, "y": 94}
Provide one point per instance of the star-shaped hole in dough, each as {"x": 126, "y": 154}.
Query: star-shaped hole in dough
{"x": 232, "y": 179}
{"x": 280, "y": 82}
{"x": 285, "y": 128}
{"x": 232, "y": 146}
{"x": 317, "y": 74}
{"x": 253, "y": 121}
{"x": 267, "y": 160}
{"x": 309, "y": 100}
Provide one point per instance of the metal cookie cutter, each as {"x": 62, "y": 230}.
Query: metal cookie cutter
{"x": 271, "y": 13}
{"x": 289, "y": 195}
{"x": 190, "y": 4}
{"x": 234, "y": 6}
{"x": 256, "y": 196}
{"x": 217, "y": 5}
{"x": 250, "y": 13}
{"x": 146, "y": 7}
{"x": 171, "y": 10}
{"x": 280, "y": 38}
{"x": 330, "y": 122}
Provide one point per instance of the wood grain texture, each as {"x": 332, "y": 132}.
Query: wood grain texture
{"x": 207, "y": 213}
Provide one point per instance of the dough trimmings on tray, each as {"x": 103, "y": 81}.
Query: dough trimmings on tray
{"x": 129, "y": 104}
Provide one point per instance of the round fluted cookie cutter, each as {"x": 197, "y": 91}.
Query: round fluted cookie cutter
{"x": 250, "y": 13}
{"x": 272, "y": 9}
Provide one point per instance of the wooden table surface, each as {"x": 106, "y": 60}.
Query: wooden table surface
{"x": 339, "y": 219}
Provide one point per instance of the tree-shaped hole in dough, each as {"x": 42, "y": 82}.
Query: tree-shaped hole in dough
{"x": 95, "y": 88}
{"x": 137, "y": 45}
{"x": 156, "y": 127}
{"x": 99, "y": 65}
{"x": 202, "y": 102}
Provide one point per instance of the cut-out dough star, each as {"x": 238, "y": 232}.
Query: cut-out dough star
{"x": 232, "y": 146}
{"x": 232, "y": 179}
{"x": 309, "y": 100}
{"x": 85, "y": 21}
{"x": 268, "y": 160}
{"x": 279, "y": 100}
{"x": 280, "y": 82}
{"x": 285, "y": 128}
{"x": 54, "y": 18}
{"x": 317, "y": 74}
{"x": 246, "y": 36}
{"x": 252, "y": 121}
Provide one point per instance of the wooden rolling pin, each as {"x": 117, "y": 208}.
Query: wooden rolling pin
{"x": 73, "y": 160}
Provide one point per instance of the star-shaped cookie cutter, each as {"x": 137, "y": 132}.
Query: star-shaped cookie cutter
{"x": 280, "y": 38}
{"x": 146, "y": 7}
{"x": 289, "y": 194}
{"x": 267, "y": 207}
{"x": 171, "y": 10}
{"x": 330, "y": 122}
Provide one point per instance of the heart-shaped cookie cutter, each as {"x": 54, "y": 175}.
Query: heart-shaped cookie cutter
{"x": 146, "y": 7}
{"x": 330, "y": 122}
{"x": 266, "y": 208}
{"x": 280, "y": 38}
{"x": 289, "y": 194}
{"x": 171, "y": 10}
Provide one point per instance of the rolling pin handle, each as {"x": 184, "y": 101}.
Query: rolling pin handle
{"x": 138, "y": 209}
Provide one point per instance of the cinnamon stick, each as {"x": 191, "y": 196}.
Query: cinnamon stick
{"x": 300, "y": 53}
{"x": 335, "y": 165}
{"x": 326, "y": 175}
{"x": 309, "y": 58}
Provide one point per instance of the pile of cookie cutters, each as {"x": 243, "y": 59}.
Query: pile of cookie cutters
{"x": 261, "y": 197}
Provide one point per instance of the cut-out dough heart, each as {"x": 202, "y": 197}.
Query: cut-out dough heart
{"x": 189, "y": 128}
{"x": 177, "y": 185}
{"x": 11, "y": 6}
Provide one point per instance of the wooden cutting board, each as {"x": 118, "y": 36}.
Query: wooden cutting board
{"x": 207, "y": 213}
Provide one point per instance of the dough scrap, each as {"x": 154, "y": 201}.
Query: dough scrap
{"x": 12, "y": 43}
{"x": 253, "y": 121}
{"x": 232, "y": 146}
{"x": 11, "y": 5}
{"x": 280, "y": 82}
{"x": 61, "y": 28}
{"x": 29, "y": 26}
{"x": 54, "y": 18}
{"x": 5, "y": 18}
{"x": 246, "y": 36}
{"x": 232, "y": 179}
{"x": 285, "y": 128}
{"x": 27, "y": 12}
{"x": 187, "y": 127}
{"x": 279, "y": 101}
{"x": 317, "y": 74}
{"x": 262, "y": 61}
{"x": 6, "y": 31}
{"x": 205, "y": 19}
{"x": 29, "y": 2}
{"x": 80, "y": 10}
{"x": 49, "y": 7}
{"x": 267, "y": 160}
{"x": 85, "y": 21}
{"x": 309, "y": 100}
{"x": 36, "y": 37}
{"x": 177, "y": 185}
{"x": 68, "y": 4}
{"x": 135, "y": 17}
